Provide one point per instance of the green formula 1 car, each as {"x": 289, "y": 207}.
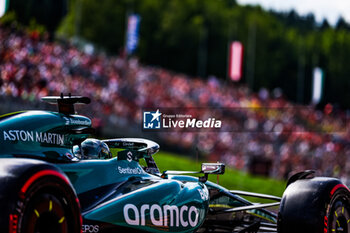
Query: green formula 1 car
{"x": 53, "y": 179}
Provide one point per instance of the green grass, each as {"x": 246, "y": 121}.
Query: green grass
{"x": 232, "y": 179}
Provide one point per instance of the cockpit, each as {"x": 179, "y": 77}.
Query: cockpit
{"x": 92, "y": 148}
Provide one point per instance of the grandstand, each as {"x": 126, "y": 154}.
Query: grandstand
{"x": 269, "y": 143}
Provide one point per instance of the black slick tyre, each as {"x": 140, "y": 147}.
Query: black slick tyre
{"x": 317, "y": 205}
{"x": 37, "y": 197}
{"x": 49, "y": 206}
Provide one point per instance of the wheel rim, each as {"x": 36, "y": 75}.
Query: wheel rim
{"x": 46, "y": 215}
{"x": 340, "y": 216}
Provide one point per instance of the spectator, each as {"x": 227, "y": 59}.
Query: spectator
{"x": 291, "y": 137}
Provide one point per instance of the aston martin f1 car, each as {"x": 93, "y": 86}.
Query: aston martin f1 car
{"x": 48, "y": 185}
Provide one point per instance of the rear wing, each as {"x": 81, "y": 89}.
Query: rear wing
{"x": 66, "y": 103}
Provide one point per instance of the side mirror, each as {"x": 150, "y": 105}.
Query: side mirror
{"x": 213, "y": 168}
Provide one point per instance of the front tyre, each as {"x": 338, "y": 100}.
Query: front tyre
{"x": 317, "y": 205}
{"x": 337, "y": 218}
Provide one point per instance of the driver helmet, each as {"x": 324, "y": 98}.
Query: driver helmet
{"x": 92, "y": 148}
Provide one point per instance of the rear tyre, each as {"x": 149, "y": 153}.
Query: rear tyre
{"x": 49, "y": 206}
{"x": 317, "y": 205}
{"x": 37, "y": 198}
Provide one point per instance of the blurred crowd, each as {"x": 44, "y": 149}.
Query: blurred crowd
{"x": 267, "y": 133}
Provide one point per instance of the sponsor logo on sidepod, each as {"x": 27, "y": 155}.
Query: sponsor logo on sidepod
{"x": 168, "y": 215}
